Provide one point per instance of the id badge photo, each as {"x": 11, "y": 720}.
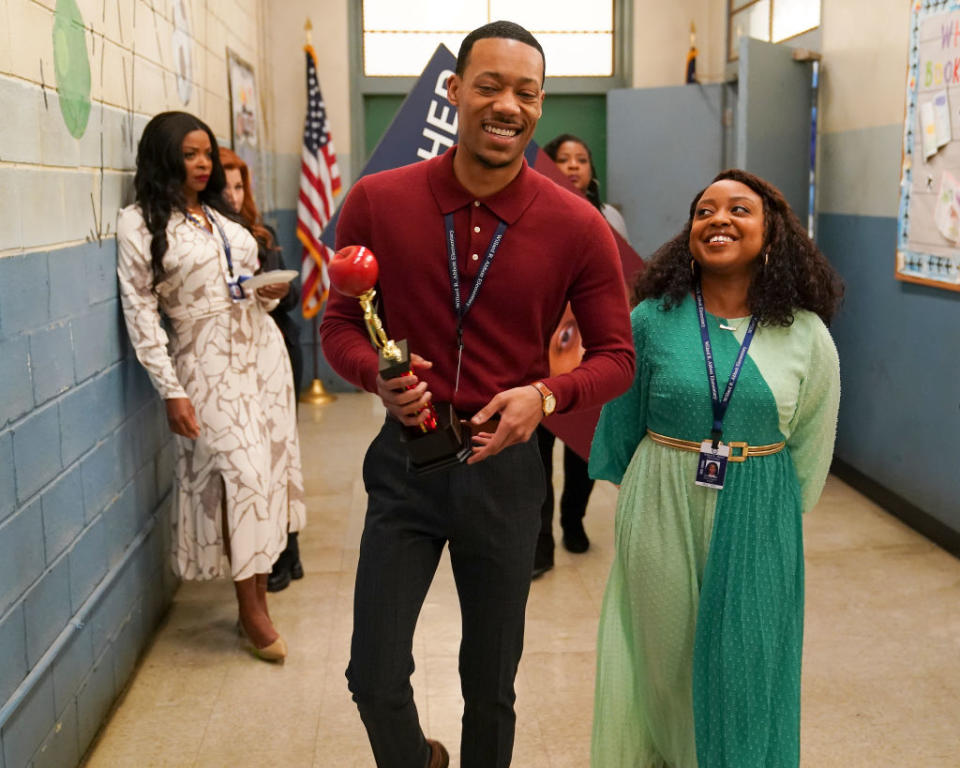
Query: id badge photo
{"x": 712, "y": 465}
{"x": 236, "y": 288}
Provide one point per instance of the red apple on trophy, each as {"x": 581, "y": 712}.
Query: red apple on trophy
{"x": 438, "y": 441}
{"x": 353, "y": 270}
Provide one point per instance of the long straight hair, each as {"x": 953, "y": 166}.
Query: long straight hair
{"x": 161, "y": 174}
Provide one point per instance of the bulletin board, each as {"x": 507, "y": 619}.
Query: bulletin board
{"x": 928, "y": 231}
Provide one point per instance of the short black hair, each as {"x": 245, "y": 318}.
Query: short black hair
{"x": 504, "y": 29}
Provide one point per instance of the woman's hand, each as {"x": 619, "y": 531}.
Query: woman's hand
{"x": 275, "y": 291}
{"x": 181, "y": 417}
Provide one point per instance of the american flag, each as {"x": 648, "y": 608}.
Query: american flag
{"x": 319, "y": 184}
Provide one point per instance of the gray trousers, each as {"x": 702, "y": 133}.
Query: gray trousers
{"x": 489, "y": 513}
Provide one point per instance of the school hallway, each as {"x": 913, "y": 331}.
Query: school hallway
{"x": 881, "y": 669}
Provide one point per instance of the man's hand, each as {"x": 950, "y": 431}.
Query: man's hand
{"x": 405, "y": 397}
{"x": 181, "y": 418}
{"x": 520, "y": 409}
{"x": 275, "y": 291}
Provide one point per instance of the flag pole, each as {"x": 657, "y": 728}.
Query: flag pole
{"x": 317, "y": 394}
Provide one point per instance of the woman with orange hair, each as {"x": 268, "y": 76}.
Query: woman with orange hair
{"x": 239, "y": 196}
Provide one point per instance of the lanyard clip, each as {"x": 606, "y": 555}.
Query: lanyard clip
{"x": 715, "y": 436}
{"x": 459, "y": 336}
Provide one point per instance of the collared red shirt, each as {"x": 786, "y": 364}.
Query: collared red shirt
{"x": 557, "y": 248}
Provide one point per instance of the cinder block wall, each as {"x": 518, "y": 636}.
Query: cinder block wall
{"x": 86, "y": 457}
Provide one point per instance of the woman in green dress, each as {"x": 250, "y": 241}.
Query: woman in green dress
{"x": 702, "y": 625}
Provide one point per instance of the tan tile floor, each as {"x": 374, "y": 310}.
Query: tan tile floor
{"x": 881, "y": 656}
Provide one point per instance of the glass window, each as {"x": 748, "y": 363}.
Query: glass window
{"x": 399, "y": 38}
{"x": 793, "y": 17}
{"x": 751, "y": 21}
{"x": 771, "y": 20}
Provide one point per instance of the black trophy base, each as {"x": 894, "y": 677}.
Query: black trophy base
{"x": 446, "y": 446}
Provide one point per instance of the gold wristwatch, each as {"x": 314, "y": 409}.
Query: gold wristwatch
{"x": 549, "y": 402}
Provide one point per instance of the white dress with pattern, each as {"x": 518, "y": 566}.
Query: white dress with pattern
{"x": 229, "y": 359}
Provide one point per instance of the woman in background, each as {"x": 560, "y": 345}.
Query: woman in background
{"x": 572, "y": 157}
{"x": 239, "y": 195}
{"x": 224, "y": 376}
{"x": 701, "y": 631}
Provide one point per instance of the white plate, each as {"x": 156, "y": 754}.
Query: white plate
{"x": 272, "y": 277}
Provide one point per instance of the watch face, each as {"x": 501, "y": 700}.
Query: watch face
{"x": 549, "y": 403}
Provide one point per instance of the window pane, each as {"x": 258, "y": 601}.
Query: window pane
{"x": 423, "y": 15}
{"x": 399, "y": 38}
{"x": 750, "y": 22}
{"x": 555, "y": 15}
{"x": 736, "y": 4}
{"x": 570, "y": 55}
{"x": 791, "y": 17}
{"x": 386, "y": 54}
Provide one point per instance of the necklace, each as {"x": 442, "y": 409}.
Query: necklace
{"x": 734, "y": 328}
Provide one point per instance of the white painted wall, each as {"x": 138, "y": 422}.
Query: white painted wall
{"x": 48, "y": 177}
{"x": 864, "y": 46}
{"x": 285, "y": 98}
{"x": 661, "y": 39}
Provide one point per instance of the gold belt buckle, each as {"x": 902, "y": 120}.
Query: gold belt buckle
{"x": 740, "y": 457}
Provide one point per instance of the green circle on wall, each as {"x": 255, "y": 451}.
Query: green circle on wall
{"x": 72, "y": 66}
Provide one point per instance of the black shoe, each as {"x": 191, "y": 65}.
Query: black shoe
{"x": 279, "y": 578}
{"x": 293, "y": 546}
{"x": 575, "y": 538}
{"x": 540, "y": 567}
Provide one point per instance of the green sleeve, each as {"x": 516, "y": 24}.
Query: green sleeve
{"x": 814, "y": 426}
{"x": 623, "y": 422}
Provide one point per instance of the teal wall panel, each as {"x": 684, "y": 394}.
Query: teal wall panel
{"x": 900, "y": 402}
{"x": 85, "y": 480}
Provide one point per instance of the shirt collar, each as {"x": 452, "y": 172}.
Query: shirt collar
{"x": 507, "y": 205}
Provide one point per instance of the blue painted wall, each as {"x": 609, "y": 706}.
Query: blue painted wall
{"x": 85, "y": 488}
{"x": 899, "y": 350}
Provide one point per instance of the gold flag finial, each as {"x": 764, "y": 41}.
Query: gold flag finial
{"x": 308, "y": 28}
{"x": 693, "y": 35}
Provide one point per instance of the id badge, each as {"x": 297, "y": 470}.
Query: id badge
{"x": 712, "y": 465}
{"x": 236, "y": 288}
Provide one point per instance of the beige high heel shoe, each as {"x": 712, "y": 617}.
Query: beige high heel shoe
{"x": 276, "y": 651}
{"x": 249, "y": 604}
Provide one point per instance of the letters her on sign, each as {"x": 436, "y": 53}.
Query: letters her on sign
{"x": 425, "y": 126}
{"x": 441, "y": 120}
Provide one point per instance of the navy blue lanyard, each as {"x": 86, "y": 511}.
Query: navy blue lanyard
{"x": 720, "y": 403}
{"x": 223, "y": 235}
{"x": 459, "y": 306}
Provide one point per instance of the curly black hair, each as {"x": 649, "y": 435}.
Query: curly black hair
{"x": 160, "y": 176}
{"x": 592, "y": 191}
{"x": 795, "y": 275}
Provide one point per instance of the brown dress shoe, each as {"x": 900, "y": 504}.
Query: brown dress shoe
{"x": 439, "y": 758}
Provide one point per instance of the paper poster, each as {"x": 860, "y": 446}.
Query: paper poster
{"x": 941, "y": 118}
{"x": 928, "y": 129}
{"x": 947, "y": 213}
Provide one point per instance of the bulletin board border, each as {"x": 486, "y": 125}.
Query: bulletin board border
{"x": 914, "y": 266}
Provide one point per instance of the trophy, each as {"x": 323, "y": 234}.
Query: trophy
{"x": 440, "y": 440}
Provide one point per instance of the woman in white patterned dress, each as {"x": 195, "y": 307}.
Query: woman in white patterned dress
{"x": 225, "y": 374}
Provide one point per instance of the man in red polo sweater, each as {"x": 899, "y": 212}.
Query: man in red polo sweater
{"x": 522, "y": 247}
